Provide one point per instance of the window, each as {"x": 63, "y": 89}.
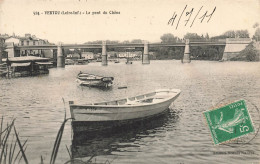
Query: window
{"x": 22, "y": 43}
{"x": 33, "y": 42}
{"x": 27, "y": 42}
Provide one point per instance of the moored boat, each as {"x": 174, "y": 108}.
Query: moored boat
{"x": 94, "y": 80}
{"x": 103, "y": 115}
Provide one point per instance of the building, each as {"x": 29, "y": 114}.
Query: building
{"x": 27, "y": 40}
{"x": 111, "y": 54}
{"x": 73, "y": 56}
{"x": 87, "y": 55}
{"x": 135, "y": 54}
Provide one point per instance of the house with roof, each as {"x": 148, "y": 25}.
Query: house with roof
{"x": 87, "y": 55}
{"x": 27, "y": 40}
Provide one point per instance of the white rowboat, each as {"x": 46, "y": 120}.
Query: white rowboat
{"x": 128, "y": 109}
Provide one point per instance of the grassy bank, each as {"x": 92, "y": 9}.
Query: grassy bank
{"x": 250, "y": 53}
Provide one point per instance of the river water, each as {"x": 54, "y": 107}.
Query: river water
{"x": 179, "y": 136}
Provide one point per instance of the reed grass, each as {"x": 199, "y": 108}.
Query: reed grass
{"x": 12, "y": 151}
{"x": 8, "y": 152}
{"x": 59, "y": 137}
{"x": 21, "y": 147}
{"x": 58, "y": 141}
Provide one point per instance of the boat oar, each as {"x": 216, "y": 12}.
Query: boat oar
{"x": 122, "y": 87}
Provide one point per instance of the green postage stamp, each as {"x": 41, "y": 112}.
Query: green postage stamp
{"x": 229, "y": 122}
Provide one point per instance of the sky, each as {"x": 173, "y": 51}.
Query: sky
{"x": 138, "y": 19}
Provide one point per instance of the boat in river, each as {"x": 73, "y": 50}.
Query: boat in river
{"x": 104, "y": 115}
{"x": 128, "y": 62}
{"x": 117, "y": 61}
{"x": 92, "y": 80}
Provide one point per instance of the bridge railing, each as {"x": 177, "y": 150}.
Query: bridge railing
{"x": 207, "y": 40}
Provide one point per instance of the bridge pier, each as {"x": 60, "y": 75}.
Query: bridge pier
{"x": 104, "y": 53}
{"x": 145, "y": 58}
{"x": 186, "y": 56}
{"x": 60, "y": 56}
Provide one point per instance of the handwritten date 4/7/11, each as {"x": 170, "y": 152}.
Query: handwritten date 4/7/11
{"x": 187, "y": 15}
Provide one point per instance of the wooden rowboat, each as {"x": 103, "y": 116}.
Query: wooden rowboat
{"x": 94, "y": 80}
{"x": 98, "y": 116}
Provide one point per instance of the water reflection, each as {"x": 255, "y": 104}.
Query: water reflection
{"x": 109, "y": 88}
{"x": 104, "y": 143}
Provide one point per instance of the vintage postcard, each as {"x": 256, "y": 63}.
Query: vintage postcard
{"x": 129, "y": 81}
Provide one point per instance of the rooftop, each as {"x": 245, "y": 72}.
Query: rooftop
{"x": 27, "y": 59}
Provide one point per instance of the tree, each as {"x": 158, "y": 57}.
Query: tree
{"x": 169, "y": 38}
{"x": 233, "y": 34}
{"x": 257, "y": 34}
{"x": 207, "y": 36}
{"x": 78, "y": 51}
{"x": 256, "y": 25}
{"x": 230, "y": 34}
{"x": 242, "y": 34}
{"x": 126, "y": 42}
{"x": 94, "y": 42}
{"x": 248, "y": 54}
{"x": 192, "y": 36}
{"x": 219, "y": 37}
{"x": 136, "y": 41}
{"x": 112, "y": 41}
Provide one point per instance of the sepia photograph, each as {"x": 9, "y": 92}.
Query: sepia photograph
{"x": 129, "y": 81}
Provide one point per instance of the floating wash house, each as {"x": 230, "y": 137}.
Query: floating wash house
{"x": 28, "y": 66}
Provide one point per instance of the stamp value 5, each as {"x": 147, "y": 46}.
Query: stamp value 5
{"x": 229, "y": 122}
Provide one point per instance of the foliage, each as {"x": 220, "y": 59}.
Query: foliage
{"x": 192, "y": 36}
{"x": 57, "y": 141}
{"x": 233, "y": 34}
{"x": 169, "y": 53}
{"x": 94, "y": 42}
{"x": 197, "y": 53}
{"x": 257, "y": 34}
{"x": 136, "y": 41}
{"x": 207, "y": 52}
{"x": 248, "y": 54}
{"x": 9, "y": 153}
{"x": 8, "y": 147}
{"x": 256, "y": 25}
{"x": 169, "y": 38}
{"x": 207, "y": 36}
